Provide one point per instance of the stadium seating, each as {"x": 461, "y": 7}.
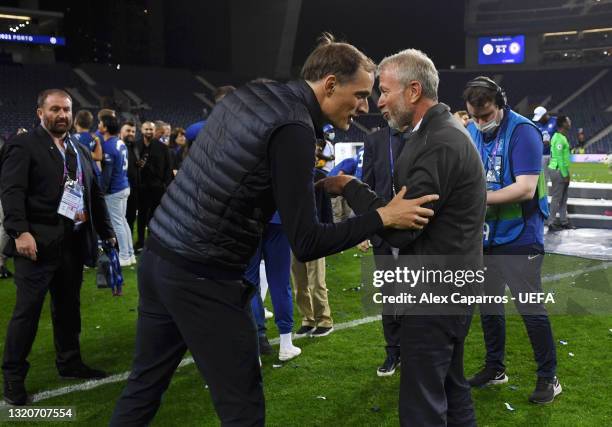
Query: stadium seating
{"x": 169, "y": 94}
{"x": 19, "y": 86}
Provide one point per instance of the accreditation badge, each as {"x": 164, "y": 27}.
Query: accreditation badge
{"x": 72, "y": 200}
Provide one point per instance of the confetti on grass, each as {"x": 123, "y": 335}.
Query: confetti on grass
{"x": 508, "y": 406}
{"x": 322, "y": 397}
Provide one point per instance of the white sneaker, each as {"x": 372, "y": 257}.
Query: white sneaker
{"x": 125, "y": 262}
{"x": 268, "y": 314}
{"x": 289, "y": 353}
{"x": 133, "y": 259}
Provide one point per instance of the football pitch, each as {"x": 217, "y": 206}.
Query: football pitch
{"x": 591, "y": 172}
{"x": 334, "y": 382}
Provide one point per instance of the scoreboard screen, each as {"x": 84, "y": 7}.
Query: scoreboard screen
{"x": 501, "y": 50}
{"x": 33, "y": 39}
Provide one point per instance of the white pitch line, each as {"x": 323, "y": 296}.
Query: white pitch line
{"x": 89, "y": 385}
{"x": 555, "y": 277}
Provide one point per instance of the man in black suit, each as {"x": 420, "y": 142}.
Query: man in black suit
{"x": 155, "y": 172}
{"x": 53, "y": 210}
{"x": 381, "y": 150}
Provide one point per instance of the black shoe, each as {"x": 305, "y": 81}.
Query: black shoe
{"x": 15, "y": 393}
{"x": 567, "y": 226}
{"x": 5, "y": 273}
{"x": 488, "y": 376}
{"x": 552, "y": 228}
{"x": 389, "y": 366}
{"x": 303, "y": 331}
{"x": 264, "y": 345}
{"x": 81, "y": 371}
{"x": 546, "y": 390}
{"x": 321, "y": 331}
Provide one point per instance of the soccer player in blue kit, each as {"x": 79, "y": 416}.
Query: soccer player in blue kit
{"x": 116, "y": 187}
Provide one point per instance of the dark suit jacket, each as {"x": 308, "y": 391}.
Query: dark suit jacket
{"x": 157, "y": 171}
{"x": 377, "y": 173}
{"x": 31, "y": 187}
{"x": 377, "y": 164}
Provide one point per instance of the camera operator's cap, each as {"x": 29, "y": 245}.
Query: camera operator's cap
{"x": 328, "y": 128}
{"x": 538, "y": 113}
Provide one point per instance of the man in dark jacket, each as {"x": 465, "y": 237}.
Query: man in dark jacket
{"x": 253, "y": 156}
{"x": 440, "y": 158}
{"x": 381, "y": 150}
{"x": 4, "y": 272}
{"x": 53, "y": 210}
{"x": 155, "y": 170}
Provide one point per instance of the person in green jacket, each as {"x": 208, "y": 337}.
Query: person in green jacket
{"x": 559, "y": 175}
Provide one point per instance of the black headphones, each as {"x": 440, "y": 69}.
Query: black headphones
{"x": 481, "y": 81}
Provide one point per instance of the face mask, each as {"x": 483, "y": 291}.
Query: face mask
{"x": 330, "y": 136}
{"x": 489, "y": 127}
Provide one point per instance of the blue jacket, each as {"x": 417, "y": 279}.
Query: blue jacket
{"x": 504, "y": 223}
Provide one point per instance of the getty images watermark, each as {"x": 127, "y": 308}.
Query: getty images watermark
{"x": 494, "y": 284}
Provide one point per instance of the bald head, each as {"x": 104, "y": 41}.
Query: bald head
{"x": 148, "y": 130}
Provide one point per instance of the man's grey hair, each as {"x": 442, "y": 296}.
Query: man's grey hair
{"x": 412, "y": 64}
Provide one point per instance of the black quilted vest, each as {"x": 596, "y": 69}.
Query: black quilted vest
{"x": 213, "y": 213}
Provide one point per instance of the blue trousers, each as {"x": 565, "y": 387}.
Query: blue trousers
{"x": 274, "y": 249}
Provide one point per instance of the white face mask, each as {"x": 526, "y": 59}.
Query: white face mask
{"x": 489, "y": 127}
{"x": 331, "y": 136}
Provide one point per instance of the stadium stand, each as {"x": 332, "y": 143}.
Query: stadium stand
{"x": 178, "y": 96}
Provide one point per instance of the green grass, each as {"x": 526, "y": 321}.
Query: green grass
{"x": 342, "y": 367}
{"x": 591, "y": 172}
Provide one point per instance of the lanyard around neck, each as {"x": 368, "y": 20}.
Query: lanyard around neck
{"x": 79, "y": 171}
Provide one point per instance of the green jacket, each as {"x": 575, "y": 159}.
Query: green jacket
{"x": 560, "y": 154}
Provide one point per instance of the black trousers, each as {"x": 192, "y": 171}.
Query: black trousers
{"x": 523, "y": 274}
{"x": 433, "y": 389}
{"x": 148, "y": 200}
{"x": 179, "y": 311}
{"x": 132, "y": 207}
{"x": 62, "y": 276}
{"x": 383, "y": 259}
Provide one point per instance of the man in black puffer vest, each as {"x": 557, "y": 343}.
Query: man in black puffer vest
{"x": 253, "y": 156}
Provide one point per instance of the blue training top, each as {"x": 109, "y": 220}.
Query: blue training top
{"x": 114, "y": 166}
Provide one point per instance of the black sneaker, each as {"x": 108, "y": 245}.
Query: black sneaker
{"x": 389, "y": 366}
{"x": 553, "y": 228}
{"x": 303, "y": 331}
{"x": 81, "y": 371}
{"x": 488, "y": 376}
{"x": 264, "y": 345}
{"x": 567, "y": 226}
{"x": 5, "y": 273}
{"x": 546, "y": 390}
{"x": 15, "y": 393}
{"x": 321, "y": 331}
